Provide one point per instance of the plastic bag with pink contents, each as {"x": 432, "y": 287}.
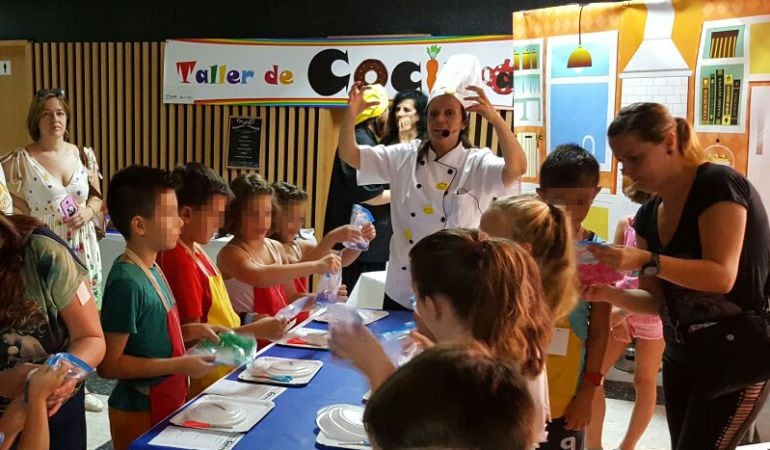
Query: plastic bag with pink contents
{"x": 591, "y": 271}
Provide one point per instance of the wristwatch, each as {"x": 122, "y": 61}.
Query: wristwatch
{"x": 652, "y": 267}
{"x": 594, "y": 378}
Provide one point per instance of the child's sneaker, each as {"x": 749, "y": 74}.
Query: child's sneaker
{"x": 93, "y": 403}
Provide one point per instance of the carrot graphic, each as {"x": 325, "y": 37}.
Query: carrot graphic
{"x": 432, "y": 65}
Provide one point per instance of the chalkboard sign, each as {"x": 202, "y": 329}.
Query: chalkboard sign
{"x": 245, "y": 136}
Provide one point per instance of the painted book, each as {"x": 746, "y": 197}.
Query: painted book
{"x": 728, "y": 108}
{"x": 736, "y": 100}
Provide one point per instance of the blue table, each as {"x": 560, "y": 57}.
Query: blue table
{"x": 291, "y": 424}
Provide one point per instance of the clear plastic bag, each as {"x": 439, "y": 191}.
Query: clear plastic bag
{"x": 232, "y": 350}
{"x": 590, "y": 270}
{"x": 340, "y": 315}
{"x": 291, "y": 310}
{"x": 399, "y": 345}
{"x": 359, "y": 217}
{"x": 77, "y": 369}
{"x": 328, "y": 287}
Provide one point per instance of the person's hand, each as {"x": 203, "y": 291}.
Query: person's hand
{"x": 354, "y": 343}
{"x": 268, "y": 328}
{"x": 49, "y": 383}
{"x": 328, "y": 263}
{"x": 80, "y": 218}
{"x": 60, "y": 395}
{"x": 598, "y": 293}
{"x": 195, "y": 331}
{"x": 195, "y": 366}
{"x": 578, "y": 413}
{"x": 344, "y": 233}
{"x": 356, "y": 102}
{"x": 14, "y": 378}
{"x": 342, "y": 294}
{"x": 404, "y": 124}
{"x": 620, "y": 258}
{"x": 482, "y": 106}
{"x": 420, "y": 339}
{"x": 368, "y": 232}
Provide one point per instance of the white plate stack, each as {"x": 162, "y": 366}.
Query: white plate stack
{"x": 342, "y": 426}
{"x": 283, "y": 371}
{"x": 219, "y": 413}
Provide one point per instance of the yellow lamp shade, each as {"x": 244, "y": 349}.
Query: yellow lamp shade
{"x": 579, "y": 58}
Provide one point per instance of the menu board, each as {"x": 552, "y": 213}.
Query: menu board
{"x": 245, "y": 137}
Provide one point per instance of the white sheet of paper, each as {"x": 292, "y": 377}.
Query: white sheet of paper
{"x": 188, "y": 438}
{"x": 245, "y": 390}
{"x": 559, "y": 342}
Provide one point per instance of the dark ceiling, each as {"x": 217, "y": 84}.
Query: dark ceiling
{"x": 154, "y": 20}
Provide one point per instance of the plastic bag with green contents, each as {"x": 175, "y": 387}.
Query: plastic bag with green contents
{"x": 232, "y": 350}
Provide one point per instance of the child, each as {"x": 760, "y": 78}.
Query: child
{"x": 195, "y": 281}
{"x": 469, "y": 288}
{"x": 290, "y": 203}
{"x": 569, "y": 178}
{"x": 452, "y": 396}
{"x": 647, "y": 330}
{"x": 544, "y": 230}
{"x": 256, "y": 268}
{"x": 145, "y": 343}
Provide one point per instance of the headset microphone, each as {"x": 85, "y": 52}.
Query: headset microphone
{"x": 445, "y": 133}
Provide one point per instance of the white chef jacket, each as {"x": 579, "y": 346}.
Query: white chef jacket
{"x": 6, "y": 203}
{"x": 428, "y": 196}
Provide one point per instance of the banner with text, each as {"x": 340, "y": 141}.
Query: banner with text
{"x": 319, "y": 72}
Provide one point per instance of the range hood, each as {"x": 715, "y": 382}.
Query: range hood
{"x": 657, "y": 56}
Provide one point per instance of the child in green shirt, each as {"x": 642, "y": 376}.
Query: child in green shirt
{"x": 145, "y": 341}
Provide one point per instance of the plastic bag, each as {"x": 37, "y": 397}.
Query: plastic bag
{"x": 590, "y": 270}
{"x": 232, "y": 350}
{"x": 77, "y": 369}
{"x": 328, "y": 287}
{"x": 340, "y": 314}
{"x": 291, "y": 310}
{"x": 359, "y": 217}
{"x": 399, "y": 345}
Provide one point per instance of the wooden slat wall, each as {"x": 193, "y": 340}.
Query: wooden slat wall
{"x": 115, "y": 90}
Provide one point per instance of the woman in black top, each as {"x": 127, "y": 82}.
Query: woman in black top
{"x": 344, "y": 192}
{"x": 407, "y": 119}
{"x": 703, "y": 246}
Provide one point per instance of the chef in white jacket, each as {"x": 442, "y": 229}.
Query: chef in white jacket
{"x": 441, "y": 182}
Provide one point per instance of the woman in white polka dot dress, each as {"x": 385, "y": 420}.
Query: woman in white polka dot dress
{"x": 48, "y": 176}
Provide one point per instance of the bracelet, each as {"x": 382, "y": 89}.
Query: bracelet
{"x": 595, "y": 378}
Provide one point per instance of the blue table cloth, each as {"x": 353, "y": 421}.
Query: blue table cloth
{"x": 291, "y": 424}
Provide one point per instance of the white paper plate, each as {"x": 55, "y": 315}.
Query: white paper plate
{"x": 251, "y": 412}
{"x": 327, "y": 441}
{"x": 317, "y": 339}
{"x": 218, "y": 413}
{"x": 294, "y": 368}
{"x": 342, "y": 423}
{"x": 368, "y": 315}
{"x": 262, "y": 369}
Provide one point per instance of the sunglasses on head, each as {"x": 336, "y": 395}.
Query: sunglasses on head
{"x": 55, "y": 92}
